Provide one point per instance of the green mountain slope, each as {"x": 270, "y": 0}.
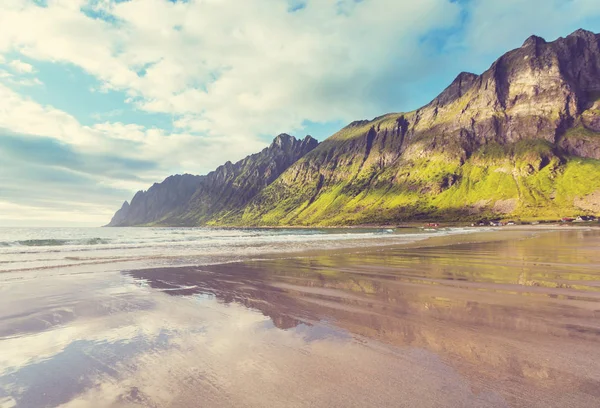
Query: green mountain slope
{"x": 526, "y": 179}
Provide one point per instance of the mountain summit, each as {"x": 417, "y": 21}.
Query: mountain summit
{"x": 521, "y": 140}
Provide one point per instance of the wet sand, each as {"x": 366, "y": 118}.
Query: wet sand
{"x": 501, "y": 319}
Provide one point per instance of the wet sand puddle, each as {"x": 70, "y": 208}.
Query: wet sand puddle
{"x": 477, "y": 321}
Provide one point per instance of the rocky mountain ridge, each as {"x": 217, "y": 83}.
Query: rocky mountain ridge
{"x": 522, "y": 139}
{"x": 186, "y": 199}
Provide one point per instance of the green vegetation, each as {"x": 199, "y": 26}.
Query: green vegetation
{"x": 525, "y": 180}
{"x": 582, "y": 133}
{"x": 360, "y": 128}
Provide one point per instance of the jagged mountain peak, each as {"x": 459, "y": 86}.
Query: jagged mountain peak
{"x": 283, "y": 138}
{"x": 582, "y": 33}
{"x": 285, "y": 141}
{"x": 496, "y": 143}
{"x": 465, "y": 76}
{"x": 579, "y": 33}
{"x": 533, "y": 40}
{"x": 461, "y": 84}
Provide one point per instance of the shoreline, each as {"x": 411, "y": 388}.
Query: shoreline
{"x": 474, "y": 236}
{"x": 411, "y": 225}
{"x": 441, "y": 241}
{"x": 132, "y": 261}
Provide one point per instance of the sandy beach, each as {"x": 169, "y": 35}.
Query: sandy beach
{"x": 507, "y": 318}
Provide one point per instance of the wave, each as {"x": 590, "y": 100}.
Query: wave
{"x": 146, "y": 248}
{"x": 50, "y": 242}
{"x": 206, "y": 241}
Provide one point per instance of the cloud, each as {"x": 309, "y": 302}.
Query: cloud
{"x": 265, "y": 66}
{"x": 21, "y": 74}
{"x": 231, "y": 69}
{"x": 106, "y": 115}
{"x": 24, "y": 116}
{"x": 27, "y": 82}
{"x": 42, "y": 179}
{"x": 54, "y": 165}
{"x": 47, "y": 151}
{"x": 21, "y": 67}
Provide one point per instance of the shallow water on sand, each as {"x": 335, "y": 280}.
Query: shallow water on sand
{"x": 502, "y": 319}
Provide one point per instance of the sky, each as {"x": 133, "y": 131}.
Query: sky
{"x": 102, "y": 98}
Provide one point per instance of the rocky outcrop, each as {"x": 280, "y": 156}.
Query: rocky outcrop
{"x": 193, "y": 200}
{"x": 158, "y": 201}
{"x": 537, "y": 91}
{"x": 120, "y": 217}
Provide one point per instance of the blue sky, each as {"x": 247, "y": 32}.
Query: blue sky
{"x": 101, "y": 98}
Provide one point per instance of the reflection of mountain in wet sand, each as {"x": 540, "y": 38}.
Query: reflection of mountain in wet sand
{"x": 228, "y": 285}
{"x": 518, "y": 315}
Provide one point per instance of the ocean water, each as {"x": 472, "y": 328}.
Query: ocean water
{"x": 29, "y": 249}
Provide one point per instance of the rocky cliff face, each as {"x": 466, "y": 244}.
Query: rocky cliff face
{"x": 230, "y": 187}
{"x": 158, "y": 201}
{"x": 522, "y": 139}
{"x": 193, "y": 200}
{"x": 538, "y": 91}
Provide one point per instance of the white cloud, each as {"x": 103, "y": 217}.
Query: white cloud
{"x": 21, "y": 67}
{"x": 25, "y": 81}
{"x": 21, "y": 74}
{"x": 24, "y": 116}
{"x": 110, "y": 114}
{"x": 230, "y": 68}
{"x": 239, "y": 69}
{"x": 127, "y": 144}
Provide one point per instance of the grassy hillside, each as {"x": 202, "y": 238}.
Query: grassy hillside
{"x": 525, "y": 180}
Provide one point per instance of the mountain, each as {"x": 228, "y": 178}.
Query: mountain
{"x": 160, "y": 200}
{"x": 193, "y": 200}
{"x": 520, "y": 140}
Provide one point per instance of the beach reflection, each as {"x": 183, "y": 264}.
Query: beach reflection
{"x": 511, "y": 321}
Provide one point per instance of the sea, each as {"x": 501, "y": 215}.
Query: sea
{"x": 102, "y": 249}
